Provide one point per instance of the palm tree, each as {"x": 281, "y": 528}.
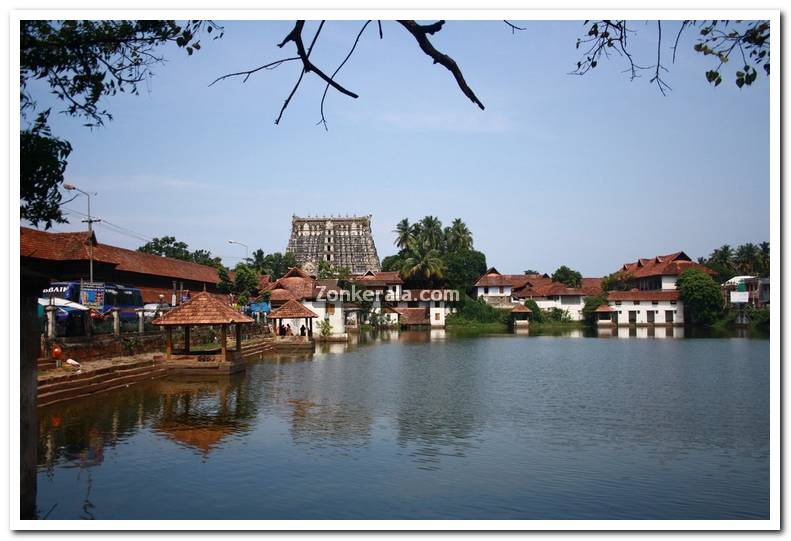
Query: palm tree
{"x": 747, "y": 258}
{"x": 403, "y": 233}
{"x": 764, "y": 258}
{"x": 723, "y": 256}
{"x": 431, "y": 231}
{"x": 423, "y": 263}
{"x": 460, "y": 237}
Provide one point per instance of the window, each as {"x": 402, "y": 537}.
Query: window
{"x": 617, "y": 303}
{"x": 502, "y": 290}
{"x": 672, "y": 302}
{"x": 436, "y": 304}
{"x": 650, "y": 315}
{"x": 330, "y": 309}
{"x": 668, "y": 316}
{"x": 486, "y": 291}
{"x": 635, "y": 302}
{"x": 654, "y": 302}
{"x": 436, "y": 316}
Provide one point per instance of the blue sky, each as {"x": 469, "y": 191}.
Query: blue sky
{"x": 589, "y": 171}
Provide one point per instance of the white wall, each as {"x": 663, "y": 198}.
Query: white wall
{"x": 669, "y": 282}
{"x": 337, "y": 320}
{"x": 494, "y": 291}
{"x": 644, "y": 307}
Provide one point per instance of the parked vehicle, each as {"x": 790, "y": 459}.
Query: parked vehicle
{"x": 151, "y": 309}
{"x": 69, "y": 316}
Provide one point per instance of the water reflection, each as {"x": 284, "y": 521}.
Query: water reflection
{"x": 640, "y": 332}
{"x": 426, "y": 424}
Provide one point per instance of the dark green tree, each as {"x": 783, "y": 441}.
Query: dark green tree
{"x": 463, "y": 267}
{"x": 245, "y": 282}
{"x": 591, "y": 304}
{"x": 536, "y": 315}
{"x": 41, "y": 167}
{"x": 701, "y": 297}
{"x": 567, "y": 276}
{"x": 167, "y": 247}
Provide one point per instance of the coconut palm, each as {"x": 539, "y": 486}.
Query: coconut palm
{"x": 723, "y": 256}
{"x": 458, "y": 236}
{"x": 764, "y": 258}
{"x": 404, "y": 234}
{"x": 424, "y": 263}
{"x": 747, "y": 256}
{"x": 431, "y": 232}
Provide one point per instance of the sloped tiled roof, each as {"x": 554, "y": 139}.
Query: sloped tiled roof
{"x": 545, "y": 287}
{"x": 202, "y": 309}
{"x": 74, "y": 247}
{"x": 291, "y": 310}
{"x": 637, "y": 295}
{"x": 605, "y": 308}
{"x": 413, "y": 316}
{"x": 521, "y": 309}
{"x": 663, "y": 265}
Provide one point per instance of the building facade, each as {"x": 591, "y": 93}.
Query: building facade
{"x": 340, "y": 241}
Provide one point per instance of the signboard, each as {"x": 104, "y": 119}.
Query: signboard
{"x": 739, "y": 297}
{"x": 92, "y": 296}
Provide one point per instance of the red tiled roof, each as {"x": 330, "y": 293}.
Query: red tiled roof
{"x": 74, "y": 247}
{"x": 281, "y": 295}
{"x": 412, "y": 316}
{"x": 381, "y": 278}
{"x": 605, "y": 308}
{"x": 637, "y": 295}
{"x": 291, "y": 310}
{"x": 202, "y": 309}
{"x": 512, "y": 280}
{"x": 545, "y": 287}
{"x": 521, "y": 309}
{"x": 663, "y": 265}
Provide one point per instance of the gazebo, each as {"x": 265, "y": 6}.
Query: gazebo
{"x": 203, "y": 309}
{"x": 520, "y": 316}
{"x": 604, "y": 314}
{"x": 293, "y": 310}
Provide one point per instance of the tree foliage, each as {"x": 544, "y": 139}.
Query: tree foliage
{"x": 170, "y": 247}
{"x": 591, "y": 304}
{"x": 746, "y": 259}
{"x": 567, "y": 276}
{"x": 536, "y": 314}
{"x": 275, "y": 264}
{"x": 41, "y": 167}
{"x": 701, "y": 296}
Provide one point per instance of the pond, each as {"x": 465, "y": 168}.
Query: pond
{"x": 429, "y": 425}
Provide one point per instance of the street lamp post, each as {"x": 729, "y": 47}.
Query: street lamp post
{"x": 246, "y": 254}
{"x": 89, "y": 220}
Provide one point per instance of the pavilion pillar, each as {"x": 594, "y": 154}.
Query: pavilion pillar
{"x": 50, "y": 310}
{"x": 223, "y": 341}
{"x": 116, "y": 321}
{"x": 238, "y": 337}
{"x": 140, "y": 321}
{"x": 187, "y": 339}
{"x": 168, "y": 341}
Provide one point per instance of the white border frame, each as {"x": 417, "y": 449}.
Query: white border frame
{"x": 773, "y": 523}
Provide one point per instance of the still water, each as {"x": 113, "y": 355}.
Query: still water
{"x": 429, "y": 426}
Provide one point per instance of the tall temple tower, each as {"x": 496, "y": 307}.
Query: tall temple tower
{"x": 343, "y": 241}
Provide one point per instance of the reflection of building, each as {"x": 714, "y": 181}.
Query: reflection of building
{"x": 341, "y": 241}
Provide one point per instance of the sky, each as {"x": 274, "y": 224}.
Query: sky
{"x": 587, "y": 171}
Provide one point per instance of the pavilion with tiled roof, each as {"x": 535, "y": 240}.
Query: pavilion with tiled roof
{"x": 203, "y": 309}
{"x": 293, "y": 310}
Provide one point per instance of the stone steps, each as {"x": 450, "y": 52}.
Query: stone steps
{"x": 82, "y": 385}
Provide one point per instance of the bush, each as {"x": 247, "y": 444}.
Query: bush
{"x": 476, "y": 310}
{"x": 537, "y": 315}
{"x": 325, "y": 328}
{"x": 759, "y": 318}
{"x": 591, "y": 304}
{"x": 556, "y": 315}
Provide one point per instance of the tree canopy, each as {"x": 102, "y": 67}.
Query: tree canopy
{"x": 701, "y": 296}
{"x": 567, "y": 276}
{"x": 170, "y": 247}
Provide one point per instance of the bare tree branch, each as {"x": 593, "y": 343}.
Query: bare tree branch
{"x": 248, "y": 73}
{"x": 420, "y": 33}
{"x": 327, "y": 87}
